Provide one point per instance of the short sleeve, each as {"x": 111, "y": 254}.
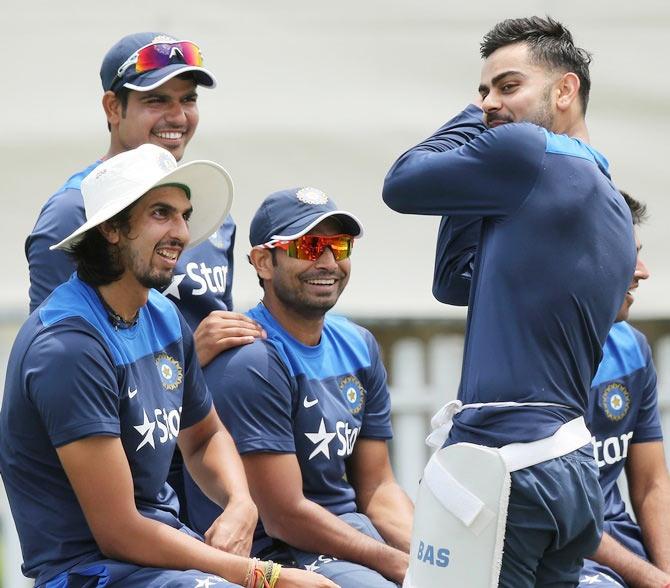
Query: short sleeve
{"x": 377, "y": 417}
{"x": 252, "y": 392}
{"x": 71, "y": 379}
{"x": 197, "y": 400}
{"x": 648, "y": 425}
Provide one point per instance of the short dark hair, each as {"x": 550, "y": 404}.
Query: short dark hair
{"x": 273, "y": 253}
{"x": 549, "y": 42}
{"x": 122, "y": 96}
{"x": 96, "y": 258}
{"x": 638, "y": 210}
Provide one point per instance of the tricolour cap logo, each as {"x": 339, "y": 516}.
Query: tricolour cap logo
{"x": 311, "y": 196}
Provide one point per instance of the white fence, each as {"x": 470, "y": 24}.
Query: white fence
{"x": 424, "y": 375}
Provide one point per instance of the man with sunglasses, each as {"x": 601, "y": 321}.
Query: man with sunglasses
{"x": 150, "y": 83}
{"x": 308, "y": 407}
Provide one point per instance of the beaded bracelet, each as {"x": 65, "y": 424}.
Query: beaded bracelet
{"x": 274, "y": 578}
{"x": 250, "y": 571}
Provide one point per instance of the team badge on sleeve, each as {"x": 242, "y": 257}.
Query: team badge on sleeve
{"x": 615, "y": 401}
{"x": 170, "y": 371}
{"x": 354, "y": 392}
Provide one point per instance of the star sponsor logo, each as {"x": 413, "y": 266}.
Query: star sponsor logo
{"x": 612, "y": 449}
{"x": 615, "y": 401}
{"x": 146, "y": 429}
{"x": 206, "y": 278}
{"x": 208, "y": 582}
{"x": 166, "y": 421}
{"x": 321, "y": 439}
{"x": 173, "y": 288}
{"x": 170, "y": 371}
{"x": 318, "y": 562}
{"x": 597, "y": 578}
{"x": 346, "y": 435}
{"x": 353, "y": 392}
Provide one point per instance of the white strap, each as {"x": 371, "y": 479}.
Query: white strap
{"x": 568, "y": 438}
{"x": 442, "y": 420}
{"x": 456, "y": 498}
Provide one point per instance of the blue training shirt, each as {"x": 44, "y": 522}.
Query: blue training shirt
{"x": 277, "y": 395}
{"x": 71, "y": 375}
{"x": 554, "y": 256}
{"x": 623, "y": 409}
{"x": 202, "y": 280}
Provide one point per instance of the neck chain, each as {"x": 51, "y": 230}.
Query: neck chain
{"x": 118, "y": 322}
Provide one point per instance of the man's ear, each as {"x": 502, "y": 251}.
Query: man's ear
{"x": 261, "y": 259}
{"x": 109, "y": 231}
{"x": 112, "y": 107}
{"x": 567, "y": 91}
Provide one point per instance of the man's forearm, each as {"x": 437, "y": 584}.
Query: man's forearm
{"x": 217, "y": 469}
{"x": 310, "y": 527}
{"x": 155, "y": 544}
{"x": 652, "y": 515}
{"x": 637, "y": 572}
{"x": 391, "y": 511}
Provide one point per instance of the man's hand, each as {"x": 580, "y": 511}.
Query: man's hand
{"x": 233, "y": 530}
{"x": 222, "y": 330}
{"x": 294, "y": 578}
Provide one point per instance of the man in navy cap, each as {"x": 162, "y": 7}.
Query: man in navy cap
{"x": 308, "y": 407}
{"x": 150, "y": 83}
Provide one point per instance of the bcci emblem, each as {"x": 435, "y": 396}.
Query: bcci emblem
{"x": 170, "y": 371}
{"x": 354, "y": 392}
{"x": 615, "y": 401}
{"x": 311, "y": 196}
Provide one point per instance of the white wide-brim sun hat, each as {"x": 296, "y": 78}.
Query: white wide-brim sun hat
{"x": 121, "y": 180}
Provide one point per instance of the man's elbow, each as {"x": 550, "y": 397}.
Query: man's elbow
{"x": 395, "y": 197}
{"x": 281, "y": 525}
{"x": 455, "y": 292}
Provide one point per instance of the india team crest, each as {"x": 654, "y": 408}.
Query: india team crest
{"x": 170, "y": 371}
{"x": 615, "y": 401}
{"x": 311, "y": 196}
{"x": 354, "y": 393}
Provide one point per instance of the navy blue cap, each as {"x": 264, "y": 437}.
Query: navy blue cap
{"x": 289, "y": 214}
{"x": 143, "y": 82}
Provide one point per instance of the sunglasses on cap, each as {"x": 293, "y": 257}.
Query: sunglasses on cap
{"x": 311, "y": 247}
{"x": 160, "y": 54}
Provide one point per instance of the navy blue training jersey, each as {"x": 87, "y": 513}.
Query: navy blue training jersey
{"x": 280, "y": 396}
{"x": 623, "y": 409}
{"x": 71, "y": 375}
{"x": 202, "y": 280}
{"x": 554, "y": 257}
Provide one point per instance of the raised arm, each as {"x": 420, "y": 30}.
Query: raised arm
{"x": 457, "y": 240}
{"x": 465, "y": 169}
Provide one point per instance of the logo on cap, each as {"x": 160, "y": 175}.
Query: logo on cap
{"x": 163, "y": 39}
{"x": 166, "y": 162}
{"x": 311, "y": 196}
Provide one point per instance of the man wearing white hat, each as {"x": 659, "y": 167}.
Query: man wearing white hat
{"x": 103, "y": 382}
{"x": 150, "y": 82}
